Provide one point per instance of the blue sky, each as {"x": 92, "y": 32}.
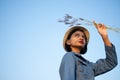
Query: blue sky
{"x": 31, "y": 36}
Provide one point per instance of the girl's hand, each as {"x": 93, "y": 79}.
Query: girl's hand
{"x": 103, "y": 32}
{"x": 101, "y": 29}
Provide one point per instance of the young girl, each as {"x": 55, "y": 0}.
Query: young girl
{"x": 74, "y": 66}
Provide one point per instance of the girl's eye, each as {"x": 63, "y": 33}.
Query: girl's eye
{"x": 77, "y": 35}
{"x": 83, "y": 36}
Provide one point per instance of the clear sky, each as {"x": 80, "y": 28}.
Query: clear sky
{"x": 31, "y": 36}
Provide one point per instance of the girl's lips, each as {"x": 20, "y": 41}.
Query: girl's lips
{"x": 81, "y": 42}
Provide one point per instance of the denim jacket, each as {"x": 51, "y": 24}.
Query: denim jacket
{"x": 75, "y": 67}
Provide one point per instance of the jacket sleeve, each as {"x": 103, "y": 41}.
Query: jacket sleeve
{"x": 67, "y": 67}
{"x": 107, "y": 64}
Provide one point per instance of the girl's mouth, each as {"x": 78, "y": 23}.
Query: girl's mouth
{"x": 81, "y": 42}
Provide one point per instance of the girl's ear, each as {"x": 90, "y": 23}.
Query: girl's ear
{"x": 68, "y": 42}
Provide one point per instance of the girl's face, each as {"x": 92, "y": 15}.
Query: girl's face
{"x": 77, "y": 40}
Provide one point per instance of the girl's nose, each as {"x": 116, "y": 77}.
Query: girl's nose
{"x": 81, "y": 37}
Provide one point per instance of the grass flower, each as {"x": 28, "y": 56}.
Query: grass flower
{"x": 71, "y": 21}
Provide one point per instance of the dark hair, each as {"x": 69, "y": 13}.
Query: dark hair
{"x": 84, "y": 50}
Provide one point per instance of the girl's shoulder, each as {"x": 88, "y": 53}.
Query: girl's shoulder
{"x": 68, "y": 55}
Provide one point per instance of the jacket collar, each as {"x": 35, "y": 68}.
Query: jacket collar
{"x": 80, "y": 58}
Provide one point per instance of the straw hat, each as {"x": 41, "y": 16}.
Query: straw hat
{"x": 71, "y": 30}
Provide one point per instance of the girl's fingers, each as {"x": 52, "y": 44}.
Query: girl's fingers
{"x": 98, "y": 25}
{"x": 95, "y": 24}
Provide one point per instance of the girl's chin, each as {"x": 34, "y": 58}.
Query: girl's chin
{"x": 81, "y": 46}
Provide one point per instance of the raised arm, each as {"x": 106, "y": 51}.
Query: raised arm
{"x": 107, "y": 64}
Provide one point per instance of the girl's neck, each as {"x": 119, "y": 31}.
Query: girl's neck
{"x": 76, "y": 50}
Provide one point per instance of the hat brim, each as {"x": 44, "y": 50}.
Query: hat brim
{"x": 75, "y": 28}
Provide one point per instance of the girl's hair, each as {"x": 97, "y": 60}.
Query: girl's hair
{"x": 84, "y": 50}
